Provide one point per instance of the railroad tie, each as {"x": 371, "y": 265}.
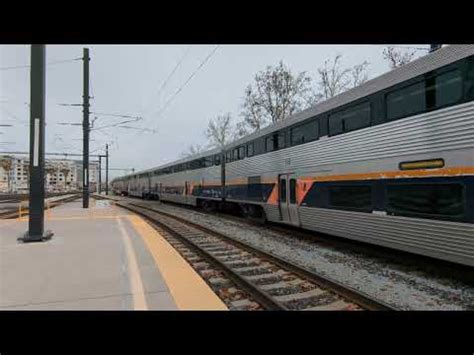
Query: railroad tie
{"x": 335, "y": 306}
{"x": 299, "y": 296}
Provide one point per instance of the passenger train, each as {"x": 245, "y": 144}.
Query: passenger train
{"x": 390, "y": 162}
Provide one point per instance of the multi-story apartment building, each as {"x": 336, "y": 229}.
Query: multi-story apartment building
{"x": 61, "y": 175}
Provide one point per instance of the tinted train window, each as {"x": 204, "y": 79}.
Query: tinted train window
{"x": 217, "y": 159}
{"x": 350, "y": 119}
{"x": 293, "y": 191}
{"x": 269, "y": 144}
{"x": 406, "y": 102}
{"x": 242, "y": 152}
{"x": 209, "y": 161}
{"x": 469, "y": 80}
{"x": 426, "y": 200}
{"x": 283, "y": 190}
{"x": 304, "y": 133}
{"x": 228, "y": 156}
{"x": 235, "y": 155}
{"x": 281, "y": 140}
{"x": 254, "y": 188}
{"x": 448, "y": 88}
{"x": 275, "y": 141}
{"x": 351, "y": 196}
{"x": 250, "y": 149}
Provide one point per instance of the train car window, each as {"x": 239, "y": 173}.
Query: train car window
{"x": 197, "y": 163}
{"x": 275, "y": 141}
{"x": 336, "y": 125}
{"x": 250, "y": 149}
{"x": 228, "y": 156}
{"x": 304, "y": 133}
{"x": 448, "y": 88}
{"x": 350, "y": 119}
{"x": 279, "y": 138}
{"x": 405, "y": 102}
{"x": 254, "y": 188}
{"x": 209, "y": 161}
{"x": 469, "y": 80}
{"x": 293, "y": 191}
{"x": 217, "y": 159}
{"x": 269, "y": 144}
{"x": 323, "y": 125}
{"x": 242, "y": 152}
{"x": 426, "y": 200}
{"x": 260, "y": 146}
{"x": 282, "y": 190}
{"x": 358, "y": 197}
{"x": 235, "y": 155}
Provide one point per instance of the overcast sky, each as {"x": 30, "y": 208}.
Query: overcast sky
{"x": 126, "y": 80}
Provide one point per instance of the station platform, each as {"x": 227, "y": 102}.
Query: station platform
{"x": 101, "y": 258}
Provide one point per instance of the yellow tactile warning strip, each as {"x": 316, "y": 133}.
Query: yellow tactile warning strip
{"x": 136, "y": 284}
{"x": 189, "y": 291}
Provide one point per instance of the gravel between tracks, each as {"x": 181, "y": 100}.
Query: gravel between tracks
{"x": 405, "y": 288}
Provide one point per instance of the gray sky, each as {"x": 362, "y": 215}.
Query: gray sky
{"x": 125, "y": 80}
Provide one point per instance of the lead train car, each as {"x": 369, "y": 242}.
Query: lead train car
{"x": 390, "y": 162}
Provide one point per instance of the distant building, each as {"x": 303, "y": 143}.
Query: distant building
{"x": 61, "y": 175}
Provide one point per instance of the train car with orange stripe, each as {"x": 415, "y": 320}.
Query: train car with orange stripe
{"x": 390, "y": 162}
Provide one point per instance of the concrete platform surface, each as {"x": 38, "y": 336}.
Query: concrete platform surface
{"x": 101, "y": 258}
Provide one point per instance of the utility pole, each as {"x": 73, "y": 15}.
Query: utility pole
{"x": 86, "y": 128}
{"x": 100, "y": 174}
{"x": 35, "y": 231}
{"x": 107, "y": 169}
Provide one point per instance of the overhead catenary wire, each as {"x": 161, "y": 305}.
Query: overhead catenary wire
{"x": 165, "y": 82}
{"x": 160, "y": 112}
{"x": 112, "y": 125}
{"x": 115, "y": 115}
{"x": 50, "y": 63}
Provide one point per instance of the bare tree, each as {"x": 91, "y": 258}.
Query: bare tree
{"x": 335, "y": 79}
{"x": 6, "y": 164}
{"x": 275, "y": 94}
{"x": 191, "y": 150}
{"x": 220, "y": 130}
{"x": 398, "y": 57}
{"x": 241, "y": 129}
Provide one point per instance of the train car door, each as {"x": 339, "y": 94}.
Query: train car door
{"x": 287, "y": 199}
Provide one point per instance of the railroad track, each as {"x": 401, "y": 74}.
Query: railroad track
{"x": 14, "y": 213}
{"x": 246, "y": 277}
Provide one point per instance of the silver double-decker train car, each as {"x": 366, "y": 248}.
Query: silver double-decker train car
{"x": 390, "y": 162}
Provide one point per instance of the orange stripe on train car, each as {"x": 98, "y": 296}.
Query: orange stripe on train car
{"x": 273, "y": 198}
{"x": 456, "y": 171}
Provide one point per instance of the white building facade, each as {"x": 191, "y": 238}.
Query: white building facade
{"x": 61, "y": 175}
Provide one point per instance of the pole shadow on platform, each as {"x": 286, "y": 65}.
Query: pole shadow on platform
{"x": 36, "y": 231}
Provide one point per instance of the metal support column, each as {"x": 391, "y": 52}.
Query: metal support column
{"x": 100, "y": 174}
{"x": 86, "y": 128}
{"x": 35, "y": 231}
{"x": 107, "y": 169}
